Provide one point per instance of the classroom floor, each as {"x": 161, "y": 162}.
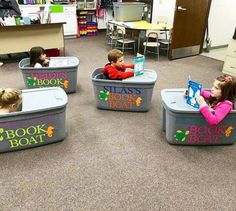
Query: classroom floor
{"x": 219, "y": 53}
{"x": 118, "y": 160}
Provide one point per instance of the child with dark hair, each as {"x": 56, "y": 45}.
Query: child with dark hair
{"x": 10, "y": 100}
{"x": 115, "y": 69}
{"x": 221, "y": 98}
{"x": 38, "y": 57}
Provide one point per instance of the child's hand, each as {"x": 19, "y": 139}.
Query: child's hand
{"x": 201, "y": 101}
{"x": 46, "y": 63}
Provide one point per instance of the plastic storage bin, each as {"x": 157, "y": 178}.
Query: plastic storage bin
{"x": 131, "y": 94}
{"x": 128, "y": 11}
{"x": 41, "y": 121}
{"x": 185, "y": 125}
{"x": 62, "y": 72}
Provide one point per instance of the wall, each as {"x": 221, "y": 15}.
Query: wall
{"x": 222, "y": 18}
{"x": 163, "y": 8}
{"x": 222, "y": 21}
{"x": 103, "y": 20}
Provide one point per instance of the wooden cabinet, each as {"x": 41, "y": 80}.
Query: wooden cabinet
{"x": 230, "y": 61}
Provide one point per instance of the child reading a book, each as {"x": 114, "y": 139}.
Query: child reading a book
{"x": 38, "y": 57}
{"x": 10, "y": 100}
{"x": 221, "y": 98}
{"x": 115, "y": 69}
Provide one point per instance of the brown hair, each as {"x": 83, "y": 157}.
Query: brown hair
{"x": 228, "y": 89}
{"x": 10, "y": 97}
{"x": 35, "y": 53}
{"x": 114, "y": 55}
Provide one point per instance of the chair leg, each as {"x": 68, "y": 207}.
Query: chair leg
{"x": 144, "y": 52}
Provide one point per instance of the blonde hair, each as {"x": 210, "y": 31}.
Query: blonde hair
{"x": 114, "y": 55}
{"x": 9, "y": 97}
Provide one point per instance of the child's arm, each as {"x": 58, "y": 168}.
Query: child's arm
{"x": 116, "y": 74}
{"x": 219, "y": 114}
{"x": 124, "y": 66}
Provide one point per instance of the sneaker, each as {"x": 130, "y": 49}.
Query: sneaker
{"x": 1, "y": 64}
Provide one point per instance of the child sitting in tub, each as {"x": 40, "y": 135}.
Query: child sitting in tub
{"x": 10, "y": 100}
{"x": 221, "y": 98}
{"x": 38, "y": 57}
{"x": 115, "y": 69}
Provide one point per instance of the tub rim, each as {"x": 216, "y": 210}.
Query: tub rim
{"x": 99, "y": 70}
{"x": 19, "y": 113}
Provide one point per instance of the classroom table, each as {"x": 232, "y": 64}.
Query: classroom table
{"x": 139, "y": 26}
{"x": 15, "y": 39}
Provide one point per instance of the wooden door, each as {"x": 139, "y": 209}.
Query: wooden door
{"x": 190, "y": 20}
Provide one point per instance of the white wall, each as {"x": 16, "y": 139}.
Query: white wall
{"x": 101, "y": 22}
{"x": 222, "y": 21}
{"x": 163, "y": 8}
{"x": 222, "y": 18}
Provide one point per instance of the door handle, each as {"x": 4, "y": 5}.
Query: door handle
{"x": 180, "y": 8}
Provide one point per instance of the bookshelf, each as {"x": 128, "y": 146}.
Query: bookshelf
{"x": 32, "y": 2}
{"x": 86, "y": 4}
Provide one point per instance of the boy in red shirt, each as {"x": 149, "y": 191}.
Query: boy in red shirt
{"x": 115, "y": 69}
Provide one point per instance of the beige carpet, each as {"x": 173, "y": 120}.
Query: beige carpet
{"x": 118, "y": 160}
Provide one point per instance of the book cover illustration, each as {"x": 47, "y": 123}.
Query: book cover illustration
{"x": 139, "y": 64}
{"x": 194, "y": 89}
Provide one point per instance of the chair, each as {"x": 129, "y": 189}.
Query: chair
{"x": 111, "y": 35}
{"x": 124, "y": 40}
{"x": 151, "y": 41}
{"x": 162, "y": 20}
{"x": 165, "y": 43}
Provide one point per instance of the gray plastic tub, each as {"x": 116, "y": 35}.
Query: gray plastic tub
{"x": 62, "y": 73}
{"x": 41, "y": 121}
{"x": 131, "y": 94}
{"x": 128, "y": 11}
{"x": 185, "y": 125}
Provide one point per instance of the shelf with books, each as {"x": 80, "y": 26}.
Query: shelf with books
{"x": 32, "y": 2}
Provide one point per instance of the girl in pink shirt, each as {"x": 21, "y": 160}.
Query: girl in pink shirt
{"x": 221, "y": 98}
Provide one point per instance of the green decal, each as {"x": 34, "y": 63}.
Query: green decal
{"x": 180, "y": 135}
{"x": 31, "y": 81}
{"x": 104, "y": 95}
{"x": 1, "y": 131}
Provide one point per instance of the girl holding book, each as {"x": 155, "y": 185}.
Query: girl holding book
{"x": 221, "y": 98}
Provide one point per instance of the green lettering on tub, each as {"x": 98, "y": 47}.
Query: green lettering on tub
{"x": 60, "y": 82}
{"x": 26, "y": 141}
{"x": 22, "y": 137}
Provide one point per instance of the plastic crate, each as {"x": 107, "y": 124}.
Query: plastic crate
{"x": 62, "y": 74}
{"x": 128, "y": 11}
{"x": 185, "y": 125}
{"x": 41, "y": 121}
{"x": 131, "y": 94}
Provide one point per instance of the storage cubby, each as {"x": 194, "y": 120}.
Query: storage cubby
{"x": 87, "y": 22}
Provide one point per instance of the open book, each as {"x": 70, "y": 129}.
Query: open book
{"x": 194, "y": 89}
{"x": 139, "y": 64}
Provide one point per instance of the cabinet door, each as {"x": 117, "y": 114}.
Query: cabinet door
{"x": 70, "y": 26}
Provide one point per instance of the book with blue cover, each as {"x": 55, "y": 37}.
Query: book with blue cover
{"x": 139, "y": 61}
{"x": 194, "y": 89}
